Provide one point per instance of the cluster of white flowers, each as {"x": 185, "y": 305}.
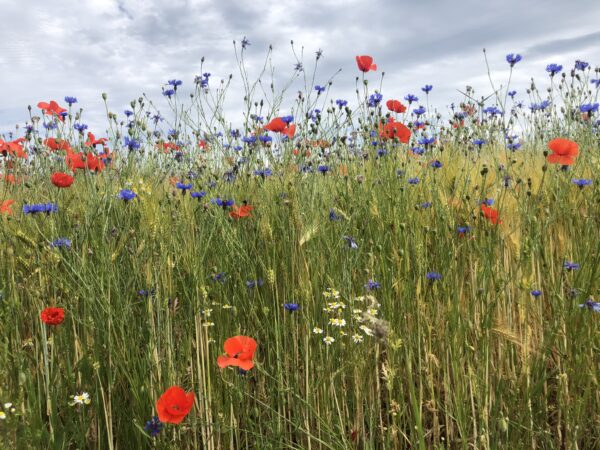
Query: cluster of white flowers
{"x": 8, "y": 409}
{"x": 80, "y": 399}
{"x": 335, "y": 307}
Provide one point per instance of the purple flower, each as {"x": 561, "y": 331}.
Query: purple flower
{"x": 371, "y": 285}
{"x": 568, "y": 265}
{"x": 127, "y": 195}
{"x": 433, "y": 276}
{"x": 536, "y": 293}
{"x": 590, "y": 304}
{"x": 513, "y": 58}
{"x": 291, "y": 307}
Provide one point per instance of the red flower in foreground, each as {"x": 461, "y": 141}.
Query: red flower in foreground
{"x": 365, "y": 63}
{"x": 241, "y": 211}
{"x": 277, "y": 125}
{"x": 57, "y": 144}
{"x": 13, "y": 148}
{"x": 564, "y": 151}
{"x": 240, "y": 351}
{"x": 61, "y": 180}
{"x": 174, "y": 405}
{"x": 393, "y": 130}
{"x": 53, "y": 316}
{"x": 395, "y": 106}
{"x": 5, "y": 207}
{"x": 52, "y": 108}
{"x": 289, "y": 131}
{"x": 92, "y": 141}
{"x": 490, "y": 214}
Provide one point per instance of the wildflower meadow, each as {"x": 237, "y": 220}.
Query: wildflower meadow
{"x": 316, "y": 272}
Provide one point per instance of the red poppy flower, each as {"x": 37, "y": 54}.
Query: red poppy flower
{"x": 53, "y": 316}
{"x": 240, "y": 351}
{"x": 393, "y": 130}
{"x": 13, "y": 148}
{"x": 61, "y": 180}
{"x": 490, "y": 214}
{"x": 52, "y": 108}
{"x": 395, "y": 106}
{"x": 57, "y": 144}
{"x": 564, "y": 151}
{"x": 94, "y": 163}
{"x": 277, "y": 125}
{"x": 365, "y": 63}
{"x": 5, "y": 207}
{"x": 75, "y": 161}
{"x": 289, "y": 131}
{"x": 174, "y": 405}
{"x": 242, "y": 211}
{"x": 92, "y": 141}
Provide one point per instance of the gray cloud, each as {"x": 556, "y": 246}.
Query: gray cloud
{"x": 127, "y": 47}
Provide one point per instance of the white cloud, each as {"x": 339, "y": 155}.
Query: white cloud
{"x": 127, "y": 47}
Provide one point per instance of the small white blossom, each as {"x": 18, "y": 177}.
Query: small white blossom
{"x": 317, "y": 330}
{"x": 328, "y": 340}
{"x": 81, "y": 399}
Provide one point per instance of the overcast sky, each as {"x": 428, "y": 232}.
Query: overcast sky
{"x": 50, "y": 49}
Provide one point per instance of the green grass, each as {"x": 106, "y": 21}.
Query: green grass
{"x": 469, "y": 361}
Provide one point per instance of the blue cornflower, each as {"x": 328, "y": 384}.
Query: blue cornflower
{"x": 492, "y": 111}
{"x": 479, "y": 142}
{"x": 427, "y": 88}
{"x": 49, "y": 125}
{"x": 127, "y": 195}
{"x": 590, "y": 304}
{"x": 264, "y": 173}
{"x": 512, "y": 94}
{"x": 418, "y": 124}
{"x": 333, "y": 216}
{"x": 198, "y": 195}
{"x": 581, "y": 65}
{"x": 341, "y": 103}
{"x": 375, "y": 99}
{"x": 320, "y": 89}
{"x": 425, "y": 205}
{"x": 487, "y": 202}
{"x": 323, "y": 169}
{"x": 245, "y": 43}
{"x": 250, "y": 284}
{"x": 155, "y": 118}
{"x": 539, "y": 106}
{"x": 419, "y": 111}
{"x": 175, "y": 83}
{"x": 426, "y": 141}
{"x": 410, "y": 98}
{"x": 168, "y": 92}
{"x": 60, "y": 243}
{"x": 220, "y": 277}
{"x": 306, "y": 169}
{"x": 264, "y": 138}
{"x": 596, "y": 82}
{"x": 581, "y": 182}
{"x": 249, "y": 139}
{"x": 568, "y": 265}
{"x": 146, "y": 293}
{"x": 70, "y": 100}
{"x": 223, "y": 203}
{"x": 536, "y": 293}
{"x": 371, "y": 285}
{"x": 435, "y": 164}
{"x": 131, "y": 143}
{"x": 589, "y": 108}
{"x": 153, "y": 426}
{"x": 414, "y": 180}
{"x": 512, "y": 59}
{"x": 433, "y": 276}
{"x": 128, "y": 113}
{"x": 288, "y": 119}
{"x": 291, "y": 307}
{"x": 463, "y": 229}
{"x": 418, "y": 150}
{"x": 298, "y": 67}
{"x": 184, "y": 187}
{"x": 257, "y": 118}
{"x": 351, "y": 242}
{"x": 553, "y": 69}
{"x": 81, "y": 127}
{"x": 40, "y": 208}
{"x": 513, "y": 146}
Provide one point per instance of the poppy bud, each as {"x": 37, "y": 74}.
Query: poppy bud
{"x": 104, "y": 96}
{"x": 132, "y": 103}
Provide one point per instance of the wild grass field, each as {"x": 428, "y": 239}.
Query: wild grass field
{"x": 428, "y": 285}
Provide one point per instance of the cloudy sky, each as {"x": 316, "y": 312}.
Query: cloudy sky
{"x": 53, "y": 48}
